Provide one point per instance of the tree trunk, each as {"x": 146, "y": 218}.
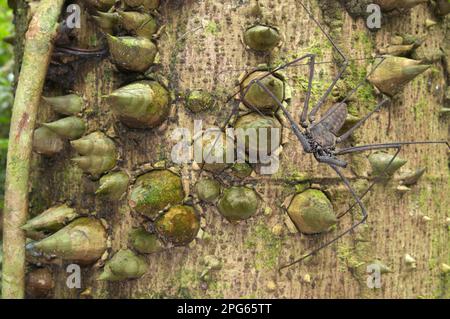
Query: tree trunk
{"x": 201, "y": 47}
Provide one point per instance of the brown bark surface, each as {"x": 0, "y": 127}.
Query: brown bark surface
{"x": 201, "y": 48}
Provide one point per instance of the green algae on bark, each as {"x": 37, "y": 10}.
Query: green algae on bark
{"x": 52, "y": 219}
{"x": 143, "y": 104}
{"x": 238, "y": 203}
{"x": 179, "y": 225}
{"x": 208, "y": 190}
{"x": 267, "y": 247}
{"x": 83, "y": 240}
{"x": 312, "y": 212}
{"x": 124, "y": 265}
{"x": 144, "y": 242}
{"x": 154, "y": 191}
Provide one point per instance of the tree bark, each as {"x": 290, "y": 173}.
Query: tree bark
{"x": 201, "y": 48}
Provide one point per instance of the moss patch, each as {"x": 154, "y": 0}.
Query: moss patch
{"x": 212, "y": 28}
{"x": 267, "y": 247}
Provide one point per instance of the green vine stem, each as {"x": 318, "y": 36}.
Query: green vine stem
{"x": 37, "y": 54}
